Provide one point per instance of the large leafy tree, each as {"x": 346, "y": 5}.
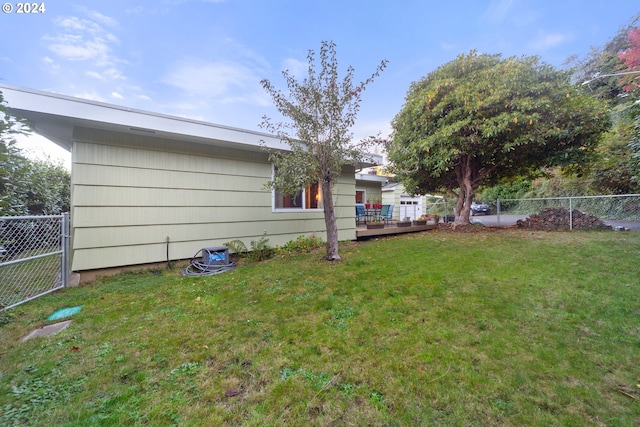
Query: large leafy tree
{"x": 634, "y": 145}
{"x": 28, "y": 187}
{"x": 631, "y": 59}
{"x": 321, "y": 110}
{"x": 481, "y": 118}
{"x": 600, "y": 71}
{"x": 12, "y": 163}
{"x": 613, "y": 169}
{"x": 612, "y": 73}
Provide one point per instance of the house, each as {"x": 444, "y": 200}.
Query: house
{"x": 407, "y": 206}
{"x": 369, "y": 187}
{"x": 148, "y": 187}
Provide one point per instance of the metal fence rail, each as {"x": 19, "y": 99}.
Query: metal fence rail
{"x": 33, "y": 257}
{"x": 614, "y": 210}
{"x": 438, "y": 205}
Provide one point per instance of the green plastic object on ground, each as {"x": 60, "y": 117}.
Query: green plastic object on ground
{"x": 65, "y": 312}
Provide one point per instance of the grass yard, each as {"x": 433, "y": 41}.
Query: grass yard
{"x": 503, "y": 328}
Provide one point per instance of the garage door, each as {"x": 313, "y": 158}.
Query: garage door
{"x": 410, "y": 207}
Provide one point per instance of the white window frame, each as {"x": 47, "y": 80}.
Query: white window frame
{"x": 303, "y": 208}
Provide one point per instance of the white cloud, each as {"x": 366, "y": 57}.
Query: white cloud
{"x": 224, "y": 81}
{"x": 91, "y": 96}
{"x": 497, "y": 11}
{"x": 139, "y": 10}
{"x": 116, "y": 95}
{"x": 73, "y": 23}
{"x": 103, "y": 19}
{"x": 114, "y": 74}
{"x": 95, "y": 75}
{"x": 53, "y": 66}
{"x": 297, "y": 68}
{"x": 545, "y": 40}
{"x": 185, "y": 106}
{"x": 86, "y": 40}
{"x": 75, "y": 48}
{"x": 143, "y": 97}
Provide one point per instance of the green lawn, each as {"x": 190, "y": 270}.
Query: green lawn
{"x": 504, "y": 328}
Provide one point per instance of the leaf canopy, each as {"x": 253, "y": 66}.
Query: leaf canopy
{"x": 482, "y": 118}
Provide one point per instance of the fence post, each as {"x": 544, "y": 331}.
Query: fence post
{"x": 498, "y": 210}
{"x": 446, "y": 211}
{"x": 570, "y": 214}
{"x": 65, "y": 249}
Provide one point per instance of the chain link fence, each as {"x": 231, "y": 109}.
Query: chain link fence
{"x": 619, "y": 212}
{"x": 33, "y": 257}
{"x": 435, "y": 205}
{"x": 438, "y": 205}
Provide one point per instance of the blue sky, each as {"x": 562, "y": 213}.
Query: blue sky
{"x": 204, "y": 59}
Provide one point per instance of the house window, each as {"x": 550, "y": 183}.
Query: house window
{"x": 361, "y": 196}
{"x": 287, "y": 201}
{"x": 307, "y": 198}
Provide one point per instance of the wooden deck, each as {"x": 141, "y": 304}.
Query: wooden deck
{"x": 363, "y": 232}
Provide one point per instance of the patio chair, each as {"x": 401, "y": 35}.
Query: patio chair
{"x": 361, "y": 214}
{"x": 389, "y": 217}
{"x": 386, "y": 213}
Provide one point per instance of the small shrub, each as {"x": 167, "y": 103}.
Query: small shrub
{"x": 237, "y": 246}
{"x": 260, "y": 249}
{"x": 302, "y": 244}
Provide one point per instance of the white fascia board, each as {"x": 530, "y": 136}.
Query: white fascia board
{"x": 54, "y": 116}
{"x": 372, "y": 178}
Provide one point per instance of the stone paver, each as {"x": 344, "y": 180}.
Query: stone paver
{"x": 48, "y": 330}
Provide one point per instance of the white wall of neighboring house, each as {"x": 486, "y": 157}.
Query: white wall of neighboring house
{"x": 405, "y": 205}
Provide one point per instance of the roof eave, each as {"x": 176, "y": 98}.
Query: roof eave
{"x": 54, "y": 116}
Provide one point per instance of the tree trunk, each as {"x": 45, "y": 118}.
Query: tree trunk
{"x": 462, "y": 215}
{"x": 330, "y": 221}
{"x": 465, "y": 197}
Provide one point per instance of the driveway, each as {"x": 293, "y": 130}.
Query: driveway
{"x": 509, "y": 220}
{"x": 631, "y": 225}
{"x": 492, "y": 220}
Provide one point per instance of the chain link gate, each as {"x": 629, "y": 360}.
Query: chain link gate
{"x": 34, "y": 257}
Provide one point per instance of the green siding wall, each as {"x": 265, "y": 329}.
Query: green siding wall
{"x": 390, "y": 197}
{"x": 129, "y": 193}
{"x": 372, "y": 190}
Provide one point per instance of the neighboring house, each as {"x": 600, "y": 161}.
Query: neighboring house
{"x": 369, "y": 187}
{"x": 411, "y": 207}
{"x": 145, "y": 184}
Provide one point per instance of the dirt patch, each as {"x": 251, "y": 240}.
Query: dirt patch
{"x": 559, "y": 218}
{"x": 550, "y": 219}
